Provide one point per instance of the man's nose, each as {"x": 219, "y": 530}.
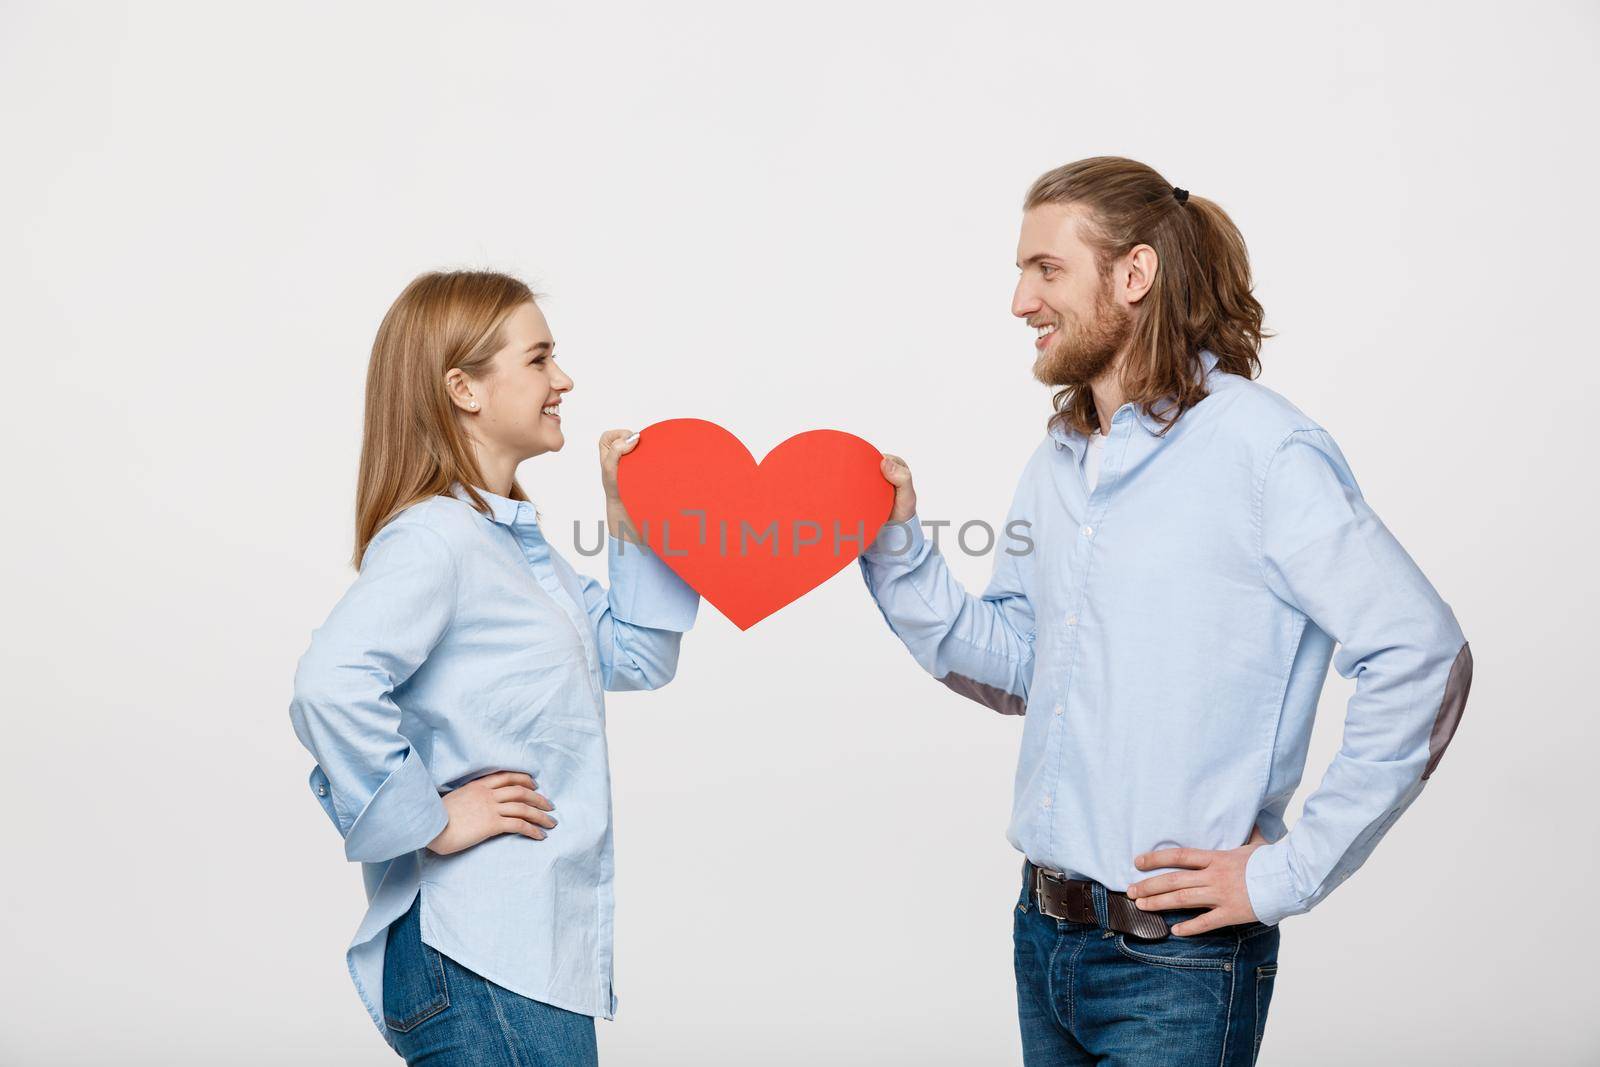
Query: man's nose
{"x": 1023, "y": 303}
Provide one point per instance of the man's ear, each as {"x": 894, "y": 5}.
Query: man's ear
{"x": 1138, "y": 273}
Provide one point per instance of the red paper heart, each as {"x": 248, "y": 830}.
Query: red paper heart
{"x": 752, "y": 538}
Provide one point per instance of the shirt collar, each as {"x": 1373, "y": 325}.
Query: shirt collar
{"x": 1152, "y": 425}
{"x": 503, "y": 510}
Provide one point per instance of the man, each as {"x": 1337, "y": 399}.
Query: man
{"x": 1199, "y": 549}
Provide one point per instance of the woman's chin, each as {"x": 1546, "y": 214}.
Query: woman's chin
{"x": 548, "y": 442}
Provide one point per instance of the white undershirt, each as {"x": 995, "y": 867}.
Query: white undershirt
{"x": 1091, "y": 459}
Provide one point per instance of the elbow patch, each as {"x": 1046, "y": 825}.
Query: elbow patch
{"x": 989, "y": 696}
{"x": 1450, "y": 708}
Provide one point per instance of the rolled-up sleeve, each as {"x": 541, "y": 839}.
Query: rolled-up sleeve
{"x": 1324, "y": 552}
{"x": 368, "y": 778}
{"x": 640, "y": 620}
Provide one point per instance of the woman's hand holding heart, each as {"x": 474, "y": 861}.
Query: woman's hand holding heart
{"x": 614, "y": 444}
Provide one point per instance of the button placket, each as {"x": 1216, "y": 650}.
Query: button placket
{"x": 539, "y": 557}
{"x": 1082, "y": 552}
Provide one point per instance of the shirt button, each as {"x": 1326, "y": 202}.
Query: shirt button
{"x": 1045, "y": 803}
{"x": 1088, "y": 531}
{"x": 1058, "y": 709}
{"x": 322, "y": 790}
{"x": 1072, "y": 620}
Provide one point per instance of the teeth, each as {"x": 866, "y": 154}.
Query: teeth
{"x": 551, "y": 410}
{"x": 1044, "y": 330}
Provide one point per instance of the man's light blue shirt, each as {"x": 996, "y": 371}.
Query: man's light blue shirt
{"x": 466, "y": 646}
{"x": 1167, "y": 638}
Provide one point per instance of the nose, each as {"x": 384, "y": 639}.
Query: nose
{"x": 1023, "y": 301}
{"x": 560, "y": 381}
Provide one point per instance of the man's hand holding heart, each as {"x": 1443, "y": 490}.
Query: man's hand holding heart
{"x": 898, "y": 474}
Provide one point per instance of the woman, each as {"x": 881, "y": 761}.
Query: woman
{"x": 463, "y": 669}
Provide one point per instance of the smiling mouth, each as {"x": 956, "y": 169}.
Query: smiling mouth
{"x": 550, "y": 412}
{"x": 1046, "y": 332}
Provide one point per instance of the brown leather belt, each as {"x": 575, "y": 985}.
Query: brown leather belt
{"x": 1072, "y": 899}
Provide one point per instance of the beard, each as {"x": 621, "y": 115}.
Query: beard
{"x": 1082, "y": 351}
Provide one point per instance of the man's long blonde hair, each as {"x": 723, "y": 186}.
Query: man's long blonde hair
{"x": 1201, "y": 297}
{"x": 411, "y": 445}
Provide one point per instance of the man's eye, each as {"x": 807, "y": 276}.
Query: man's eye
{"x": 1046, "y": 269}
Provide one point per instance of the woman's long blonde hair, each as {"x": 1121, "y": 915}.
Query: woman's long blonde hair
{"x": 411, "y": 445}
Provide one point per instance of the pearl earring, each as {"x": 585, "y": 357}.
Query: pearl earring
{"x": 474, "y": 405}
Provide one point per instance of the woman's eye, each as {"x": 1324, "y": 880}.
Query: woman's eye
{"x": 538, "y": 361}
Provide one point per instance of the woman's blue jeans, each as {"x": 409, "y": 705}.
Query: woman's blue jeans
{"x": 443, "y": 1015}
{"x": 1087, "y": 994}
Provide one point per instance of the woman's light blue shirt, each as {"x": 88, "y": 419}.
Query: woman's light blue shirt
{"x": 466, "y": 646}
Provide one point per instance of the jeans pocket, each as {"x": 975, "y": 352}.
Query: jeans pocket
{"x": 414, "y": 988}
{"x": 1265, "y": 974}
{"x": 1198, "y": 953}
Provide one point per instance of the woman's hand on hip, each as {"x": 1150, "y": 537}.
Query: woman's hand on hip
{"x": 506, "y": 802}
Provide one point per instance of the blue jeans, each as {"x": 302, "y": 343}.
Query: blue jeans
{"x": 441, "y": 1014}
{"x": 1086, "y": 994}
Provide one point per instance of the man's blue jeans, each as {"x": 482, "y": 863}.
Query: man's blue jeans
{"x": 1087, "y": 994}
{"x": 443, "y": 1015}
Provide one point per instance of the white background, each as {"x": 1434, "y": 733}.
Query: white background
{"x": 777, "y": 218}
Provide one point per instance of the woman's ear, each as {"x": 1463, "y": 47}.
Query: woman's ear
{"x": 459, "y": 388}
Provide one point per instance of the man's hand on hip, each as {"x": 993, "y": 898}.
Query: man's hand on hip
{"x": 1209, "y": 879}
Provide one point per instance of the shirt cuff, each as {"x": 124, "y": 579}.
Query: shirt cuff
{"x": 402, "y": 816}
{"x": 646, "y": 592}
{"x": 1270, "y": 885}
{"x": 323, "y": 790}
{"x": 897, "y": 544}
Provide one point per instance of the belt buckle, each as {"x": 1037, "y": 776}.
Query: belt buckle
{"x": 1056, "y": 878}
{"x": 1042, "y": 875}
